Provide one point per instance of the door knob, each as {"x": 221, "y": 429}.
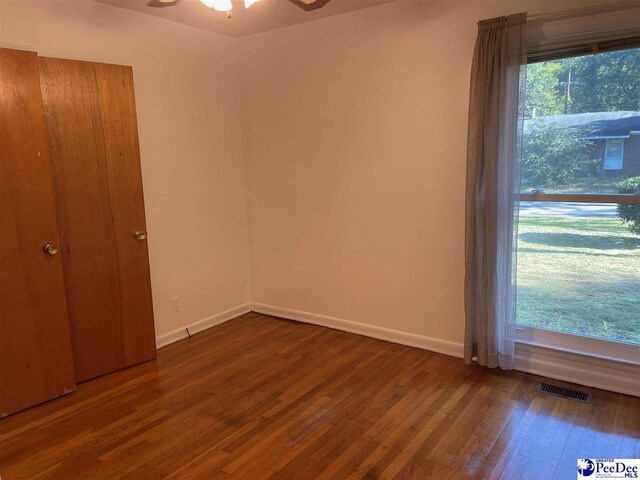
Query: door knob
{"x": 140, "y": 235}
{"x": 50, "y": 249}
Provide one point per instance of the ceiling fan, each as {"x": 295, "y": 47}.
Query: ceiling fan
{"x": 225, "y": 5}
{"x": 309, "y": 5}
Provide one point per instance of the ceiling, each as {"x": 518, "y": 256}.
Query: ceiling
{"x": 262, "y": 16}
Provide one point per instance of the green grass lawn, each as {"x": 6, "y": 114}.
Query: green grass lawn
{"x": 579, "y": 275}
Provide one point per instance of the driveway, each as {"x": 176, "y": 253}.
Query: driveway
{"x": 551, "y": 209}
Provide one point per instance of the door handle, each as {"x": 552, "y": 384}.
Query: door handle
{"x": 50, "y": 249}
{"x": 140, "y": 235}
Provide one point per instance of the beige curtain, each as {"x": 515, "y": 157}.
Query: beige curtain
{"x": 493, "y": 159}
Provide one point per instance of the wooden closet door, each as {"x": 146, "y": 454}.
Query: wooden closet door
{"x": 36, "y": 363}
{"x": 91, "y": 119}
{"x": 122, "y": 155}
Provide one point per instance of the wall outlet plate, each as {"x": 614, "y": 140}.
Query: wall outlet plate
{"x": 176, "y": 304}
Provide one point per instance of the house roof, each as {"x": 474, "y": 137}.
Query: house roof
{"x": 595, "y": 125}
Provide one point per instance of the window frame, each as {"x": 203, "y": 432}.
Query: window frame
{"x": 616, "y": 198}
{"x": 572, "y": 343}
{"x": 606, "y": 157}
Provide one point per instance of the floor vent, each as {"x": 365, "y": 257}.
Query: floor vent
{"x": 564, "y": 392}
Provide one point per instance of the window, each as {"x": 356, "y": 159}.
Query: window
{"x": 613, "y": 153}
{"x": 578, "y": 248}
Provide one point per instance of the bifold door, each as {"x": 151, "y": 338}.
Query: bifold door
{"x": 93, "y": 137}
{"x": 36, "y": 363}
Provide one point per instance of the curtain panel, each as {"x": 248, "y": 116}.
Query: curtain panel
{"x": 493, "y": 180}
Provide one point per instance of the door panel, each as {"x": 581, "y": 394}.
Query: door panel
{"x": 36, "y": 362}
{"x": 90, "y": 258}
{"x": 90, "y": 114}
{"x": 122, "y": 154}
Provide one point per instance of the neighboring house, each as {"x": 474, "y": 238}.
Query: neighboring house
{"x": 615, "y": 134}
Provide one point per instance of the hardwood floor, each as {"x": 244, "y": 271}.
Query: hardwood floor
{"x": 259, "y": 398}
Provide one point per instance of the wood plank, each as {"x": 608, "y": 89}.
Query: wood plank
{"x": 301, "y": 401}
{"x": 35, "y": 347}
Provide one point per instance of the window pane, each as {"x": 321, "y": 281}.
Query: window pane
{"x": 582, "y": 131}
{"x": 578, "y": 269}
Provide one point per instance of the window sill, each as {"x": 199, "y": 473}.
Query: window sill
{"x": 606, "y": 350}
{"x": 546, "y": 353}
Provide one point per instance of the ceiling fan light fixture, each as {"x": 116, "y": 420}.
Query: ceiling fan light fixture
{"x": 309, "y": 5}
{"x": 162, "y": 3}
{"x": 219, "y": 5}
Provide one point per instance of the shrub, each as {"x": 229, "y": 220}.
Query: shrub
{"x": 630, "y": 214}
{"x": 554, "y": 156}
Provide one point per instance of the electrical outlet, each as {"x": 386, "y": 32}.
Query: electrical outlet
{"x": 176, "y": 304}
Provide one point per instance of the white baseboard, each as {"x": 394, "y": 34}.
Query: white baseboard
{"x": 195, "y": 327}
{"x": 18, "y": 46}
{"x": 396, "y": 336}
{"x": 565, "y": 366}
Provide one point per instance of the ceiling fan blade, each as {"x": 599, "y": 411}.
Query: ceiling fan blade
{"x": 309, "y": 5}
{"x": 162, "y": 3}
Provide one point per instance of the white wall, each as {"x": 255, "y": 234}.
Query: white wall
{"x": 188, "y": 102}
{"x": 354, "y": 132}
{"x": 355, "y": 143}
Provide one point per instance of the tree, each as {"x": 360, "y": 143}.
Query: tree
{"x": 543, "y": 86}
{"x": 553, "y": 156}
{"x": 630, "y": 214}
{"x": 606, "y": 82}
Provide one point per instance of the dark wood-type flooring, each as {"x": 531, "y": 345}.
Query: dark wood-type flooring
{"x": 259, "y": 398}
